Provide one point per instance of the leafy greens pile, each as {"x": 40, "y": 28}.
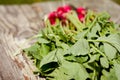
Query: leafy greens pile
{"x": 88, "y": 50}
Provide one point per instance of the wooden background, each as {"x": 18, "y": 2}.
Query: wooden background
{"x": 19, "y": 22}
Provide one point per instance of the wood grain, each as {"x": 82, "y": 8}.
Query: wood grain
{"x": 19, "y": 22}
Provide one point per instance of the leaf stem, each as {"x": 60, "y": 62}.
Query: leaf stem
{"x": 97, "y": 41}
{"x": 93, "y": 77}
{"x": 91, "y": 25}
{"x": 74, "y": 19}
{"x": 98, "y": 50}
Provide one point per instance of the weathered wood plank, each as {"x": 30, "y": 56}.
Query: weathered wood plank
{"x": 19, "y": 22}
{"x": 8, "y": 69}
{"x": 13, "y": 25}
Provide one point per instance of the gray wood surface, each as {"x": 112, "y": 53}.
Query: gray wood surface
{"x": 19, "y": 22}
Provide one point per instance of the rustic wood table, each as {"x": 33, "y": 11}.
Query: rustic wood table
{"x": 19, "y": 22}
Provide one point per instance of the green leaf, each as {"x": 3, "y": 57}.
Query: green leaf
{"x": 94, "y": 57}
{"x": 43, "y": 40}
{"x": 52, "y": 61}
{"x": 34, "y": 51}
{"x": 109, "y": 75}
{"x": 44, "y": 50}
{"x": 58, "y": 74}
{"x": 65, "y": 46}
{"x": 48, "y": 68}
{"x": 110, "y": 51}
{"x": 80, "y": 35}
{"x": 68, "y": 71}
{"x": 117, "y": 70}
{"x": 75, "y": 71}
{"x": 118, "y": 59}
{"x": 93, "y": 32}
{"x": 70, "y": 57}
{"x": 81, "y": 47}
{"x": 104, "y": 62}
{"x": 103, "y": 17}
{"x": 37, "y": 63}
{"x": 82, "y": 59}
{"x": 51, "y": 57}
{"x": 103, "y": 78}
{"x": 113, "y": 39}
